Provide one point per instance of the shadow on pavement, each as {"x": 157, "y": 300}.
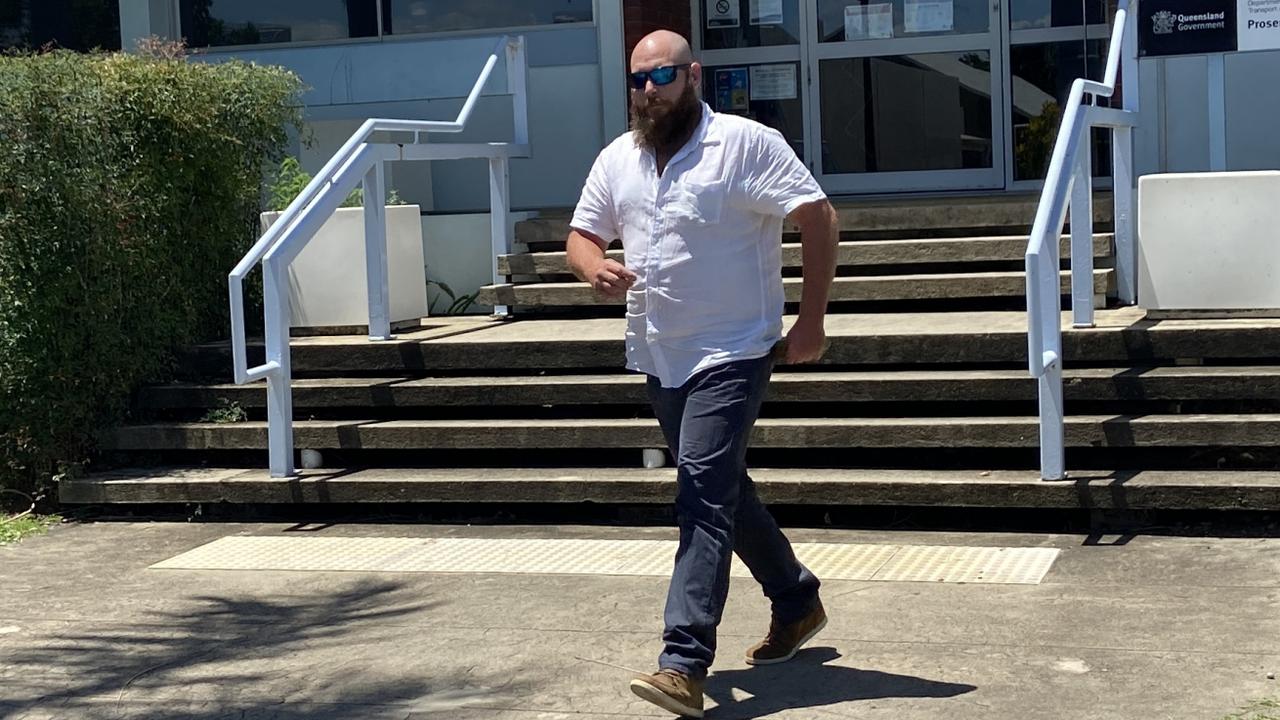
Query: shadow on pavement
{"x": 229, "y": 657}
{"x": 808, "y": 681}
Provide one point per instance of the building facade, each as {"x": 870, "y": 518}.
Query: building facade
{"x": 900, "y": 96}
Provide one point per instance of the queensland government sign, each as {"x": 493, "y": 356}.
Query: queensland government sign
{"x": 1198, "y": 27}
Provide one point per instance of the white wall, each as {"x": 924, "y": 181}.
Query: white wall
{"x": 1174, "y": 136}
{"x": 426, "y": 79}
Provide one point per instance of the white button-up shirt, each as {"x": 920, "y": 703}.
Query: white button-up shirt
{"x": 704, "y": 240}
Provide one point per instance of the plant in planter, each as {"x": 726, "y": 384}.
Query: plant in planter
{"x": 327, "y": 281}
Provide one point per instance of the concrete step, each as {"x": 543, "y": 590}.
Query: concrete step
{"x": 1090, "y": 384}
{"x": 1089, "y": 431}
{"x": 1148, "y": 490}
{"x": 936, "y": 215}
{"x": 1122, "y": 337}
{"x": 851, "y": 253}
{"x": 933, "y": 286}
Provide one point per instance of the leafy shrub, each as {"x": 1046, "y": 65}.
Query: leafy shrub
{"x": 291, "y": 180}
{"x": 129, "y": 187}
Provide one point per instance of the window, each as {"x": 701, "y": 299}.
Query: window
{"x": 749, "y": 24}
{"x": 404, "y": 17}
{"x": 212, "y": 23}
{"x": 72, "y": 24}
{"x": 904, "y": 113}
{"x": 1042, "y": 74}
{"x": 215, "y": 23}
{"x": 728, "y": 90}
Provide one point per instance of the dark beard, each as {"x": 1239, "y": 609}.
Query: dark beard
{"x": 663, "y": 126}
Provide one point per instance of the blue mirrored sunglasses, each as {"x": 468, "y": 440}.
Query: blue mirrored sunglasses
{"x": 659, "y": 76}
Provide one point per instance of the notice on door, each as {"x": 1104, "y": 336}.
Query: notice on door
{"x": 872, "y": 21}
{"x": 928, "y": 16}
{"x": 731, "y": 90}
{"x": 723, "y": 14}
{"x": 1258, "y": 24}
{"x": 766, "y": 12}
{"x": 773, "y": 82}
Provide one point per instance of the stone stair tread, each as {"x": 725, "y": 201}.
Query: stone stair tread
{"x": 1120, "y": 336}
{"x": 881, "y": 214}
{"x": 1152, "y": 383}
{"x": 1190, "y": 430}
{"x": 850, "y": 253}
{"x": 922, "y": 286}
{"x": 1255, "y": 490}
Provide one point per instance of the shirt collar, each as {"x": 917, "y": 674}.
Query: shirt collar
{"x": 705, "y": 134}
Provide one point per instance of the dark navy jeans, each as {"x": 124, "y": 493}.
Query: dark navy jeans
{"x": 707, "y": 424}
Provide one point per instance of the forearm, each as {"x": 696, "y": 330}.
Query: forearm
{"x": 584, "y": 254}
{"x": 819, "y": 239}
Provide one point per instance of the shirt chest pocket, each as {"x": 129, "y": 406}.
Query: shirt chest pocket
{"x": 696, "y": 202}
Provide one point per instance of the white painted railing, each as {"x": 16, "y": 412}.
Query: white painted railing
{"x": 360, "y": 162}
{"x": 1069, "y": 186}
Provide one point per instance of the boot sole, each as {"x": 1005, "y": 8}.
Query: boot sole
{"x": 651, "y": 694}
{"x": 794, "y": 650}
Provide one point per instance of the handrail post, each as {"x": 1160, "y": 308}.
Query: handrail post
{"x": 499, "y": 218}
{"x": 1052, "y": 412}
{"x": 375, "y": 253}
{"x": 1052, "y": 426}
{"x": 275, "y": 297}
{"x": 517, "y": 86}
{"x": 1123, "y": 174}
{"x": 1082, "y": 235}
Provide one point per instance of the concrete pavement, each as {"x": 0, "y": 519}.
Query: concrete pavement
{"x": 1143, "y": 627}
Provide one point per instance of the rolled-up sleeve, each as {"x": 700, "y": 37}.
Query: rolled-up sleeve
{"x": 595, "y": 211}
{"x": 774, "y": 180}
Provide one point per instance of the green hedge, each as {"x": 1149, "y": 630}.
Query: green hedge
{"x": 129, "y": 187}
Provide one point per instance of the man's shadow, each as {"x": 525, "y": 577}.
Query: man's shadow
{"x": 808, "y": 681}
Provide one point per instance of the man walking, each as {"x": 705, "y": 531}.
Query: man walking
{"x": 698, "y": 199}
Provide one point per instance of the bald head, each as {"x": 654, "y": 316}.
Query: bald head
{"x": 660, "y": 48}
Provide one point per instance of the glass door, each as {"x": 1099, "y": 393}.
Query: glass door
{"x": 1051, "y": 43}
{"x": 753, "y": 63}
{"x": 906, "y": 94}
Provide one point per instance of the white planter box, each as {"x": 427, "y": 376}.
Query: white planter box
{"x": 1209, "y": 241}
{"x": 327, "y": 281}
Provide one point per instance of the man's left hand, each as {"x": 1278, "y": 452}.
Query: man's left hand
{"x": 805, "y": 343}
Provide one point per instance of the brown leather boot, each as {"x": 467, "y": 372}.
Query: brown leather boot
{"x": 672, "y": 691}
{"x": 784, "y": 641}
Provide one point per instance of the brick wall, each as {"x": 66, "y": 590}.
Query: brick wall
{"x": 641, "y": 17}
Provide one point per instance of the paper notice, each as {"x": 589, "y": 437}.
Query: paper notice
{"x": 872, "y": 21}
{"x": 773, "y": 82}
{"x": 928, "y": 16}
{"x": 723, "y": 14}
{"x": 1258, "y": 24}
{"x": 766, "y": 12}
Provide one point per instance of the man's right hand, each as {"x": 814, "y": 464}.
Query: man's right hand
{"x": 611, "y": 279}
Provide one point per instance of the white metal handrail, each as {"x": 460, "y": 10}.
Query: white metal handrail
{"x": 360, "y": 162}
{"x": 1068, "y": 186}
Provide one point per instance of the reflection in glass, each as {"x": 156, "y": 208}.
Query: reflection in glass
{"x": 71, "y": 24}
{"x": 905, "y": 113}
{"x": 426, "y": 16}
{"x": 211, "y": 23}
{"x": 746, "y": 31}
{"x": 1042, "y": 74}
{"x": 728, "y": 90}
{"x": 911, "y": 18}
{"x": 1029, "y": 14}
